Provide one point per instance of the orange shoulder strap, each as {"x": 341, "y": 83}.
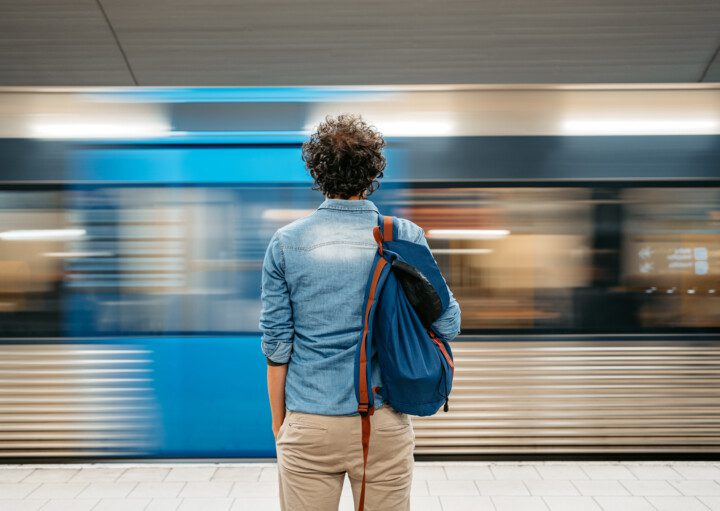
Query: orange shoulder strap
{"x": 388, "y": 228}
{"x": 364, "y": 407}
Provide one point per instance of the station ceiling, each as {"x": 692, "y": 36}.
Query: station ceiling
{"x": 345, "y": 42}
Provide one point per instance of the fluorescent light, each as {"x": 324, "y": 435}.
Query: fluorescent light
{"x": 418, "y": 128}
{"x": 98, "y": 130}
{"x": 285, "y": 214}
{"x": 467, "y": 234}
{"x": 461, "y": 250}
{"x": 425, "y": 127}
{"x": 78, "y": 254}
{"x": 43, "y": 234}
{"x": 630, "y": 126}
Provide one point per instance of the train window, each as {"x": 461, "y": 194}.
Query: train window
{"x": 159, "y": 260}
{"x": 34, "y": 235}
{"x": 164, "y": 260}
{"x": 671, "y": 256}
{"x": 512, "y": 256}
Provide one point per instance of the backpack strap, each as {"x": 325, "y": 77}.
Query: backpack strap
{"x": 388, "y": 228}
{"x": 384, "y": 231}
{"x": 381, "y": 232}
{"x": 364, "y": 407}
{"x": 444, "y": 352}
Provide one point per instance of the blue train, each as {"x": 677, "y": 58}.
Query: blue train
{"x": 578, "y": 227}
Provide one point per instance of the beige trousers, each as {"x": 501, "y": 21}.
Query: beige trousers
{"x": 315, "y": 451}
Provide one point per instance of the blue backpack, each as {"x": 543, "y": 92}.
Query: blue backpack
{"x": 404, "y": 295}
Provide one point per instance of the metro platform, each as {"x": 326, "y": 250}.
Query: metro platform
{"x": 437, "y": 486}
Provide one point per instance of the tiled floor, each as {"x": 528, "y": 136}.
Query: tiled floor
{"x": 451, "y": 486}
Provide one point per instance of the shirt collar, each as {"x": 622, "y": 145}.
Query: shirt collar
{"x": 349, "y": 205}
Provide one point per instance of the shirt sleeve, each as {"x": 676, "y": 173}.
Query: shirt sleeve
{"x": 447, "y": 326}
{"x": 276, "y": 316}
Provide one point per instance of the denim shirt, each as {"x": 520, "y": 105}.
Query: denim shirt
{"x": 313, "y": 282}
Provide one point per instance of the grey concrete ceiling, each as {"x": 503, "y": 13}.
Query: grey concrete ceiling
{"x": 325, "y": 42}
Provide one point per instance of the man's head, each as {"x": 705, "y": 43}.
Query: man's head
{"x": 344, "y": 157}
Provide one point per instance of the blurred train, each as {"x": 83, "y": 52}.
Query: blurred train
{"x": 579, "y": 228}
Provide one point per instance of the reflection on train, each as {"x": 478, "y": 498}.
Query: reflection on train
{"x": 127, "y": 260}
{"x": 581, "y": 240}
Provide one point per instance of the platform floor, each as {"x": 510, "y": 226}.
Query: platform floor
{"x": 452, "y": 486}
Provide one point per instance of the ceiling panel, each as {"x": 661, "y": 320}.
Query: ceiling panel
{"x": 192, "y": 42}
{"x": 323, "y": 42}
{"x": 58, "y": 42}
{"x": 713, "y": 72}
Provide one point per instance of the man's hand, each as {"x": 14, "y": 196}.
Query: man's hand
{"x": 276, "y": 374}
{"x": 276, "y": 427}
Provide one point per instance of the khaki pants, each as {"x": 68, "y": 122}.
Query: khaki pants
{"x": 315, "y": 451}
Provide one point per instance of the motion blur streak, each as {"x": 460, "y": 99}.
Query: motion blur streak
{"x": 64, "y": 400}
{"x": 578, "y": 227}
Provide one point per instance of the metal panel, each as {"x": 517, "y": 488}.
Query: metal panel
{"x": 65, "y": 42}
{"x": 581, "y": 397}
{"x": 712, "y": 73}
{"x": 74, "y": 400}
{"x": 261, "y": 42}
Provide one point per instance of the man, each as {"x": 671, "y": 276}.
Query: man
{"x": 313, "y": 284}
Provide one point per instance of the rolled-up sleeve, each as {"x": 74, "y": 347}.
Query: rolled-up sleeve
{"x": 447, "y": 326}
{"x": 276, "y": 316}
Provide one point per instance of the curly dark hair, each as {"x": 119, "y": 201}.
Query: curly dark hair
{"x": 344, "y": 157}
